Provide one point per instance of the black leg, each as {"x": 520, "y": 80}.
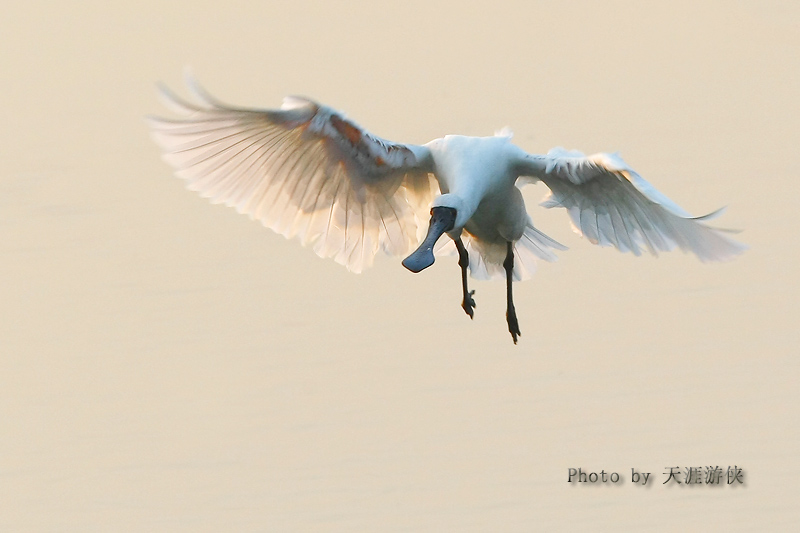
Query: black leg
{"x": 511, "y": 313}
{"x": 463, "y": 261}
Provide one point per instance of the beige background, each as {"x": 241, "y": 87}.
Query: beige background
{"x": 169, "y": 365}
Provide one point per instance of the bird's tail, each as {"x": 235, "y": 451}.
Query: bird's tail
{"x": 486, "y": 258}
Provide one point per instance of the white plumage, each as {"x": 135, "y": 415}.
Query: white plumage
{"x": 307, "y": 171}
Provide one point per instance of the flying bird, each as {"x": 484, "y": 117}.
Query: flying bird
{"x": 307, "y": 171}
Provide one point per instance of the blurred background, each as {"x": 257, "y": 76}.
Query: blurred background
{"x": 170, "y": 365}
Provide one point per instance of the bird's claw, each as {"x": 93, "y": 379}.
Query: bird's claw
{"x": 468, "y": 304}
{"x": 513, "y": 325}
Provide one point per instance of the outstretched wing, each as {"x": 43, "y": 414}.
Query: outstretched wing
{"x": 304, "y": 170}
{"x": 612, "y": 205}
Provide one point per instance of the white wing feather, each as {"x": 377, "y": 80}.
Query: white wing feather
{"x": 304, "y": 170}
{"x": 611, "y": 205}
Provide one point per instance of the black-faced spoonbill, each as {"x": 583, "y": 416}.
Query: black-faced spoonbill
{"x": 307, "y": 171}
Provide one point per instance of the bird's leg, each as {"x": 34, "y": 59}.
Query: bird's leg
{"x": 511, "y": 313}
{"x": 463, "y": 261}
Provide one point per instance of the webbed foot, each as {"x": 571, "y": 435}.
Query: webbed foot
{"x": 513, "y": 325}
{"x": 468, "y": 304}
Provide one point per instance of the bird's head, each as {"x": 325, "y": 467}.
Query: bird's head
{"x": 454, "y": 202}
{"x": 443, "y": 219}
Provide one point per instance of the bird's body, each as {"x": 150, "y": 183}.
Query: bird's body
{"x": 307, "y": 171}
{"x": 478, "y": 173}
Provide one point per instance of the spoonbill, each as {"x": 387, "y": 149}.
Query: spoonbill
{"x": 307, "y": 171}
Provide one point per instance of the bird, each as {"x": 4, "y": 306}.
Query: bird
{"x": 306, "y": 170}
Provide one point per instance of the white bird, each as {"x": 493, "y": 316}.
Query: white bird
{"x": 307, "y": 171}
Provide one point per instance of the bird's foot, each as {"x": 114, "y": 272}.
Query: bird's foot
{"x": 469, "y": 304}
{"x": 513, "y": 325}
